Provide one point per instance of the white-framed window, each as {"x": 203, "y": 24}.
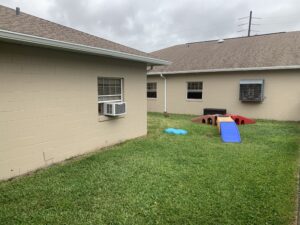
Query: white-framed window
{"x": 152, "y": 90}
{"x": 109, "y": 90}
{"x": 194, "y": 90}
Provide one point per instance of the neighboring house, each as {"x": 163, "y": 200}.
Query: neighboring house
{"x": 54, "y": 83}
{"x": 256, "y": 76}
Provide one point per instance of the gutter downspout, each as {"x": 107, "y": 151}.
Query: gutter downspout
{"x": 165, "y": 102}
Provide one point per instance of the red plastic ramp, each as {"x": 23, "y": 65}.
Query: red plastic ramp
{"x": 206, "y": 119}
{"x": 241, "y": 120}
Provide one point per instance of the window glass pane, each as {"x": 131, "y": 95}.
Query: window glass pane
{"x": 151, "y": 86}
{"x": 118, "y": 90}
{"x": 151, "y": 94}
{"x": 106, "y": 81}
{"x": 194, "y": 95}
{"x": 194, "y": 85}
{"x": 151, "y": 90}
{"x": 105, "y": 90}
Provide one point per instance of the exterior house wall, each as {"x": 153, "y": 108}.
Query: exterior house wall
{"x": 221, "y": 90}
{"x": 48, "y": 106}
{"x": 157, "y": 104}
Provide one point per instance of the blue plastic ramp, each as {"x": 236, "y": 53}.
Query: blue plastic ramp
{"x": 230, "y": 132}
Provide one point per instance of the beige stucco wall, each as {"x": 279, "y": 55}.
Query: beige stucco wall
{"x": 221, "y": 90}
{"x": 48, "y": 106}
{"x": 156, "y": 104}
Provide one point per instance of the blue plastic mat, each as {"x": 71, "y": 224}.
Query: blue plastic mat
{"x": 175, "y": 131}
{"x": 230, "y": 132}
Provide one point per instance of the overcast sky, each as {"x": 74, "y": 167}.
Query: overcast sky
{"x": 150, "y": 25}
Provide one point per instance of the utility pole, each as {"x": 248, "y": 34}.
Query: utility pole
{"x": 250, "y": 23}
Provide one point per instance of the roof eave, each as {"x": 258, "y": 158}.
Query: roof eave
{"x": 290, "y": 67}
{"x": 67, "y": 46}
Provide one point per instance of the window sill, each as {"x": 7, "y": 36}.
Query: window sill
{"x": 194, "y": 100}
{"x": 151, "y": 98}
{"x": 102, "y": 118}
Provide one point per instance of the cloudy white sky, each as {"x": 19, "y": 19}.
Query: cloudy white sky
{"x": 150, "y": 25}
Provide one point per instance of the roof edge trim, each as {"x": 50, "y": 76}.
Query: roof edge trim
{"x": 51, "y": 43}
{"x": 291, "y": 67}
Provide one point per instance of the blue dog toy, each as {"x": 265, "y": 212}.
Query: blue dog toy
{"x": 175, "y": 131}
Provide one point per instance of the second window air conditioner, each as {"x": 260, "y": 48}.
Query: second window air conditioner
{"x": 114, "y": 109}
{"x": 252, "y": 90}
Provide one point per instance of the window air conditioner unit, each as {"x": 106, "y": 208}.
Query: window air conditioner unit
{"x": 114, "y": 109}
{"x": 251, "y": 90}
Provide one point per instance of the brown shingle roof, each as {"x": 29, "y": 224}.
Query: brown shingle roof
{"x": 31, "y": 25}
{"x": 278, "y": 49}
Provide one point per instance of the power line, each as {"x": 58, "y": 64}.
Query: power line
{"x": 246, "y": 17}
{"x": 250, "y": 24}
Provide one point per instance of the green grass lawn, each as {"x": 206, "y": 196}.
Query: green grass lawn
{"x": 167, "y": 179}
